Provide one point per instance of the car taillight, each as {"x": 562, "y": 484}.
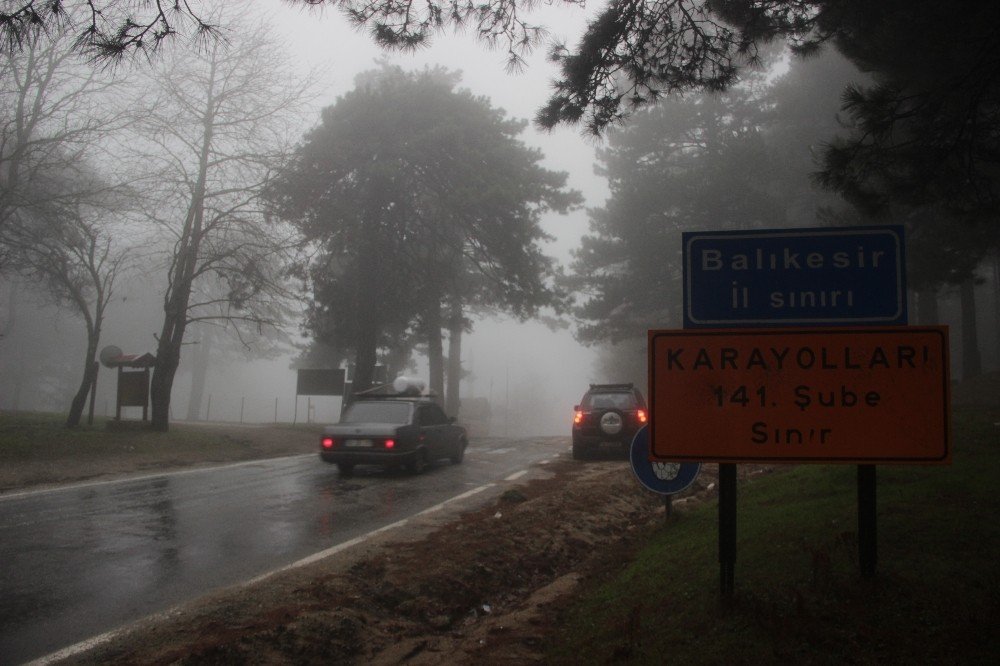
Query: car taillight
{"x": 641, "y": 415}
{"x": 390, "y": 443}
{"x": 577, "y": 417}
{"x": 328, "y": 442}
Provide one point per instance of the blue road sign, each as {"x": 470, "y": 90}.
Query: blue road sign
{"x": 665, "y": 478}
{"x": 788, "y": 277}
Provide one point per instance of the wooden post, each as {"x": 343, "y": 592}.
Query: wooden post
{"x": 145, "y": 403}
{"x": 118, "y": 398}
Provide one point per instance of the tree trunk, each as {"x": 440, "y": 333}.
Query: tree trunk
{"x": 365, "y": 354}
{"x": 927, "y": 306}
{"x": 396, "y": 361}
{"x": 456, "y": 325}
{"x": 168, "y": 348}
{"x": 90, "y": 362}
{"x": 364, "y": 365}
{"x": 168, "y": 354}
{"x": 80, "y": 399}
{"x": 199, "y": 371}
{"x": 435, "y": 350}
{"x": 15, "y": 379}
{"x": 971, "y": 361}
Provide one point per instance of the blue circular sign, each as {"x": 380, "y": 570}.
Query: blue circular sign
{"x": 666, "y": 478}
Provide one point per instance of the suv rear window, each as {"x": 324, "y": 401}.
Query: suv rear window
{"x": 608, "y": 401}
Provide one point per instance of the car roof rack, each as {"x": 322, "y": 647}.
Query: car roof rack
{"x": 623, "y": 387}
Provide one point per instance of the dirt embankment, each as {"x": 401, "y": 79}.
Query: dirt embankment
{"x": 477, "y": 587}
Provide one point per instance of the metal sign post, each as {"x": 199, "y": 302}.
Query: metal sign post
{"x": 727, "y": 529}
{"x": 867, "y": 522}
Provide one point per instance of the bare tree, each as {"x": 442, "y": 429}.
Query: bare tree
{"x": 78, "y": 265}
{"x": 220, "y": 122}
{"x": 54, "y": 211}
{"x": 54, "y": 114}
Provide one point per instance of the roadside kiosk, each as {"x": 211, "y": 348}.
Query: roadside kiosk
{"x": 133, "y": 379}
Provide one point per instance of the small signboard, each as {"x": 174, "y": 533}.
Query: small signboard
{"x": 864, "y": 396}
{"x": 133, "y": 388}
{"x": 663, "y": 477}
{"x": 788, "y": 277}
{"x": 320, "y": 382}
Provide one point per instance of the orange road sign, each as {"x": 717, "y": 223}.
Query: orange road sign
{"x": 838, "y": 395}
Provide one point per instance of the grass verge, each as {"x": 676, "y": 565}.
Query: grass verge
{"x": 37, "y": 448}
{"x": 799, "y": 597}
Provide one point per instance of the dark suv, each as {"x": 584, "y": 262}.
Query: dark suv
{"x": 607, "y": 417}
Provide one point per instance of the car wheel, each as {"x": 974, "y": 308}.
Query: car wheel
{"x": 346, "y": 469}
{"x": 579, "y": 452}
{"x": 459, "y": 455}
{"x": 419, "y": 463}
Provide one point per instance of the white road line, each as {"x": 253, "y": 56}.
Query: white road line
{"x": 468, "y": 493}
{"x": 516, "y": 475}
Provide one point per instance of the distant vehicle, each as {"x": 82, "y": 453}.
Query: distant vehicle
{"x": 393, "y": 430}
{"x": 607, "y": 419}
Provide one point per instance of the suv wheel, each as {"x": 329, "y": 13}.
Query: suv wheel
{"x": 579, "y": 452}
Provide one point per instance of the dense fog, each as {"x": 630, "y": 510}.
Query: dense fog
{"x": 531, "y": 372}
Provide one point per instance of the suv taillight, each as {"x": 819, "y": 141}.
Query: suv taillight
{"x": 328, "y": 442}
{"x": 641, "y": 415}
{"x": 577, "y": 417}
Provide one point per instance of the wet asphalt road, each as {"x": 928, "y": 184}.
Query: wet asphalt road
{"x": 79, "y": 561}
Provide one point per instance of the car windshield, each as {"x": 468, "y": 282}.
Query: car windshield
{"x": 377, "y": 412}
{"x": 611, "y": 401}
